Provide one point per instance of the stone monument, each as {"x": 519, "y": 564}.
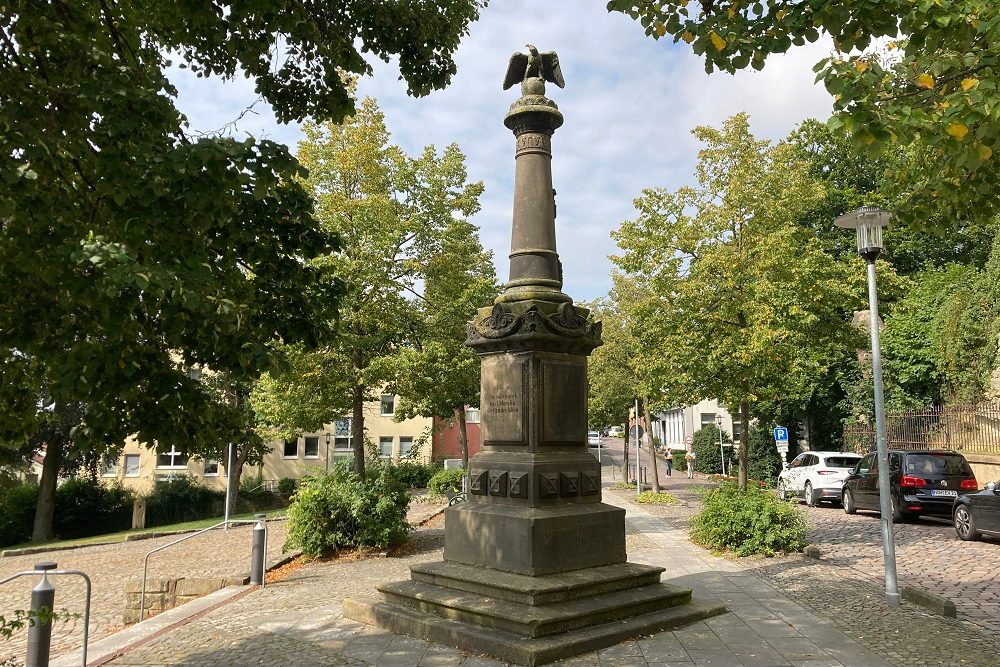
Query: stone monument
{"x": 534, "y": 565}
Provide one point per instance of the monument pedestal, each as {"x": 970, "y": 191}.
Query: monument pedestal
{"x": 534, "y": 563}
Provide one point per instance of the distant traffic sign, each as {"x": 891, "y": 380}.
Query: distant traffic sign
{"x": 631, "y": 432}
{"x": 688, "y": 439}
{"x": 780, "y": 434}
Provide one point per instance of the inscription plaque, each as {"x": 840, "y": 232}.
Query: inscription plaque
{"x": 503, "y": 397}
{"x": 564, "y": 416}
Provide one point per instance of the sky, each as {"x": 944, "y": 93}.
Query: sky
{"x": 629, "y": 105}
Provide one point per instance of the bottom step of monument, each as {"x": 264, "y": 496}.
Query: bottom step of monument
{"x": 517, "y": 648}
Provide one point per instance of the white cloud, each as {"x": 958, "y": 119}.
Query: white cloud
{"x": 630, "y": 104}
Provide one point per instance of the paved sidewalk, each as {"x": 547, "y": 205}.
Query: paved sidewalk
{"x": 299, "y": 622}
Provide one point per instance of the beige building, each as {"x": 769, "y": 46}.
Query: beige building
{"x": 672, "y": 426}
{"x": 140, "y": 468}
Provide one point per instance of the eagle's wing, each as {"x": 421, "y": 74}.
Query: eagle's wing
{"x": 550, "y": 69}
{"x": 515, "y": 70}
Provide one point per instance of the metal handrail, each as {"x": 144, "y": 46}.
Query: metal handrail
{"x": 86, "y": 606}
{"x": 145, "y": 561}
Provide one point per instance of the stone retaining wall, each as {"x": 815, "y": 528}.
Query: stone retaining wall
{"x": 164, "y": 593}
{"x": 987, "y": 468}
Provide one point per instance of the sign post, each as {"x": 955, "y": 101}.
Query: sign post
{"x": 781, "y": 442}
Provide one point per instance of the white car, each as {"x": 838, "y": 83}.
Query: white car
{"x": 594, "y": 439}
{"x": 816, "y": 476}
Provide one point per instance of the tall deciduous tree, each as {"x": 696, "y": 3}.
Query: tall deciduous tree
{"x": 130, "y": 251}
{"x": 745, "y": 305}
{"x": 932, "y": 88}
{"x": 396, "y": 217}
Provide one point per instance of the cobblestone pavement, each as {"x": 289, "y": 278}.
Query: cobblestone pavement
{"x": 215, "y": 554}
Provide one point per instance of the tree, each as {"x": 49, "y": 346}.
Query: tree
{"x": 932, "y": 89}
{"x": 131, "y": 251}
{"x": 396, "y": 217}
{"x": 437, "y": 375}
{"x": 744, "y": 305}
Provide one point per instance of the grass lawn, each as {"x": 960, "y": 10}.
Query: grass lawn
{"x": 124, "y": 535}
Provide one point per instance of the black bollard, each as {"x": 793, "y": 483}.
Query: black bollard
{"x": 257, "y": 551}
{"x": 43, "y": 597}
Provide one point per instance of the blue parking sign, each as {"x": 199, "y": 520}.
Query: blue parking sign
{"x": 780, "y": 434}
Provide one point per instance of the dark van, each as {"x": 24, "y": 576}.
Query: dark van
{"x": 921, "y": 482}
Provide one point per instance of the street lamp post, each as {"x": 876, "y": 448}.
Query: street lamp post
{"x": 327, "y": 434}
{"x": 722, "y": 450}
{"x": 869, "y": 221}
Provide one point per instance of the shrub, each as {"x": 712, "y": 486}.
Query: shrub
{"x": 763, "y": 459}
{"x": 182, "y": 499}
{"x": 415, "y": 475}
{"x": 679, "y": 463}
{"x": 650, "y": 498}
{"x": 443, "y": 479}
{"x": 86, "y": 507}
{"x": 706, "y": 449}
{"x": 17, "y": 513}
{"x": 339, "y": 511}
{"x": 748, "y": 522}
{"x": 286, "y": 486}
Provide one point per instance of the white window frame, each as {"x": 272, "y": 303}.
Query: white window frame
{"x": 206, "y": 473}
{"x": 305, "y": 447}
{"x": 349, "y": 437}
{"x": 138, "y": 461}
{"x": 381, "y": 439}
{"x": 381, "y": 407}
{"x": 284, "y": 449}
{"x": 173, "y": 454}
{"x": 408, "y": 451}
{"x": 109, "y": 463}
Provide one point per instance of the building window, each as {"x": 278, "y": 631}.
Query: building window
{"x": 472, "y": 416}
{"x": 406, "y": 449}
{"x": 131, "y": 465}
{"x": 211, "y": 468}
{"x": 385, "y": 446}
{"x": 737, "y": 431}
{"x": 312, "y": 447}
{"x": 342, "y": 434}
{"x": 172, "y": 459}
{"x": 707, "y": 418}
{"x": 387, "y": 405}
{"x": 110, "y": 468}
{"x": 291, "y": 450}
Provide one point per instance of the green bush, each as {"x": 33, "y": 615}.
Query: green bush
{"x": 17, "y": 513}
{"x": 443, "y": 479}
{"x": 650, "y": 498}
{"x": 339, "y": 511}
{"x": 286, "y": 486}
{"x": 679, "y": 463}
{"x": 182, "y": 499}
{"x": 708, "y": 458}
{"x": 86, "y": 507}
{"x": 415, "y": 475}
{"x": 748, "y": 522}
{"x": 763, "y": 459}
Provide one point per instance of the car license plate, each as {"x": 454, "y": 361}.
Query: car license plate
{"x": 939, "y": 492}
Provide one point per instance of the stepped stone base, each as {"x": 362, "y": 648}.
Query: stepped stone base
{"x": 530, "y": 620}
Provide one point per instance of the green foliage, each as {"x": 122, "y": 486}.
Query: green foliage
{"x": 678, "y": 462}
{"x": 650, "y": 498}
{"x": 85, "y": 507}
{"x": 415, "y": 475}
{"x": 706, "y": 449}
{"x": 286, "y": 486}
{"x": 444, "y": 479}
{"x": 19, "y": 619}
{"x": 341, "y": 510}
{"x": 17, "y": 511}
{"x": 182, "y": 499}
{"x": 748, "y": 522}
{"x": 931, "y": 88}
{"x": 764, "y": 461}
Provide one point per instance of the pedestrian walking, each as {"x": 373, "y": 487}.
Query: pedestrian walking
{"x": 690, "y": 457}
{"x": 669, "y": 458}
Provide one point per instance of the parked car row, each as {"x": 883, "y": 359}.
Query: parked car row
{"x": 921, "y": 483}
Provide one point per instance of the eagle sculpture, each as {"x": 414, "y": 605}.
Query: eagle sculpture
{"x": 535, "y": 64}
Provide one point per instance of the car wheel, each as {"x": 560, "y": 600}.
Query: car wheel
{"x": 897, "y": 514}
{"x": 848, "y": 502}
{"x": 965, "y": 525}
{"x": 807, "y": 493}
{"x": 782, "y": 491}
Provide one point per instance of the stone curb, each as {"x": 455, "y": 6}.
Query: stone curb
{"x": 936, "y": 603}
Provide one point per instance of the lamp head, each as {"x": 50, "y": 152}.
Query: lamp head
{"x": 868, "y": 221}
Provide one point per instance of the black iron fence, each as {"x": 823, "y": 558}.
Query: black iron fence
{"x": 973, "y": 429}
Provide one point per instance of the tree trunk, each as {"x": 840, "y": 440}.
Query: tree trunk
{"x": 45, "y": 506}
{"x": 358, "y": 429}
{"x": 235, "y": 460}
{"x": 463, "y": 442}
{"x": 625, "y": 450}
{"x": 744, "y": 437}
{"x": 648, "y": 420}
